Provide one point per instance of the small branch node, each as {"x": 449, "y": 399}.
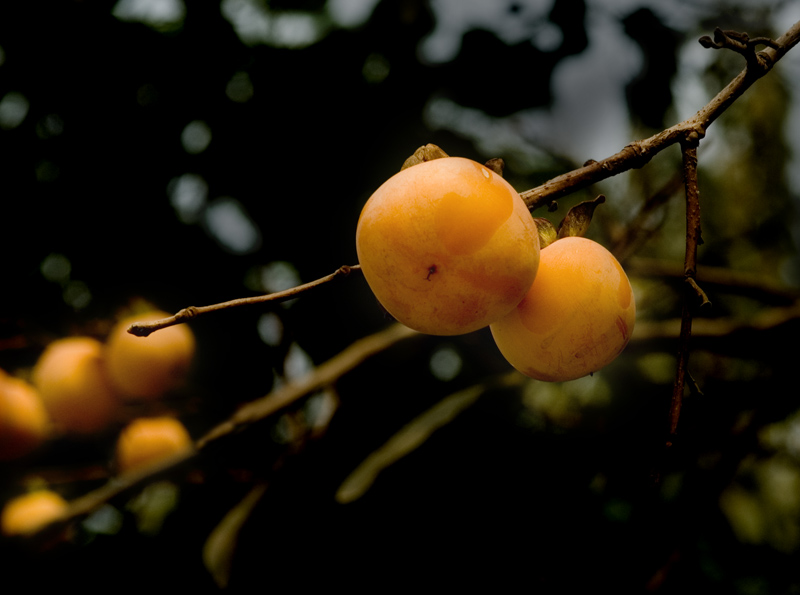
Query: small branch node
{"x": 694, "y": 387}
{"x": 704, "y": 301}
{"x": 187, "y": 314}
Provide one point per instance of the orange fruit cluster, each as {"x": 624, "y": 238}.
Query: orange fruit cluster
{"x": 78, "y": 385}
{"x": 448, "y": 247}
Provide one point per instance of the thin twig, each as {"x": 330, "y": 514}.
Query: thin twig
{"x": 690, "y": 272}
{"x": 143, "y": 329}
{"x": 764, "y": 288}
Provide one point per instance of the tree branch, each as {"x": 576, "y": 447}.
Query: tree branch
{"x": 639, "y": 153}
{"x": 143, "y": 329}
{"x": 268, "y": 406}
{"x": 690, "y": 272}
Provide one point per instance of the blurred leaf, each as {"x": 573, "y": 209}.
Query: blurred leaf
{"x": 409, "y": 438}
{"x": 220, "y": 545}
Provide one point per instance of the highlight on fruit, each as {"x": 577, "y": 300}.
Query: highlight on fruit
{"x": 447, "y": 245}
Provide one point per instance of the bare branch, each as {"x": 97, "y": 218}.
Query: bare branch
{"x": 143, "y": 329}
{"x": 689, "y": 271}
{"x": 639, "y": 153}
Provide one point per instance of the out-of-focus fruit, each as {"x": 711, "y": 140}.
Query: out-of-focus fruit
{"x": 23, "y": 419}
{"x": 150, "y": 440}
{"x": 30, "y": 512}
{"x": 577, "y": 317}
{"x": 71, "y": 379}
{"x": 148, "y": 367}
{"x": 447, "y": 246}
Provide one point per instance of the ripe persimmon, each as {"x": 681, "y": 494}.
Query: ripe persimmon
{"x": 447, "y": 246}
{"x": 148, "y": 440}
{"x": 576, "y": 318}
{"x": 30, "y": 512}
{"x": 148, "y": 367}
{"x": 24, "y": 424}
{"x": 71, "y": 379}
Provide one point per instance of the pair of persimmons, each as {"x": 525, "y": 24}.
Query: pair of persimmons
{"x": 448, "y": 247}
{"x": 77, "y": 387}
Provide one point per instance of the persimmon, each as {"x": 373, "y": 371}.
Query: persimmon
{"x": 576, "y": 318}
{"x": 30, "y": 512}
{"x": 447, "y": 246}
{"x": 148, "y": 367}
{"x": 24, "y": 424}
{"x": 149, "y": 440}
{"x": 71, "y": 379}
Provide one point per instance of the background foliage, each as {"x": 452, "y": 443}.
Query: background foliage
{"x": 225, "y": 149}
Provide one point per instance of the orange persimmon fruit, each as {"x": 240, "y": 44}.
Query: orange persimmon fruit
{"x": 24, "y": 424}
{"x": 71, "y": 379}
{"x": 447, "y": 246}
{"x": 149, "y": 440}
{"x": 148, "y": 367}
{"x": 577, "y": 317}
{"x": 30, "y": 512}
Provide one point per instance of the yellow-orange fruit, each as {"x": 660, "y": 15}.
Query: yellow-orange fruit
{"x": 23, "y": 419}
{"x": 447, "y": 246}
{"x": 149, "y": 440}
{"x": 30, "y": 512}
{"x": 72, "y": 382}
{"x": 148, "y": 367}
{"x": 577, "y": 317}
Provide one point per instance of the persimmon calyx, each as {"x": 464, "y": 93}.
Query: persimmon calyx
{"x": 576, "y": 221}
{"x": 425, "y": 153}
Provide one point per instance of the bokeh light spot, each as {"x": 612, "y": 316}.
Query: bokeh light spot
{"x": 188, "y": 195}
{"x": 270, "y": 329}
{"x": 445, "y": 363}
{"x": 239, "y": 88}
{"x": 13, "y": 109}
{"x": 56, "y": 268}
{"x": 227, "y": 222}
{"x": 196, "y": 137}
{"x": 376, "y": 68}
{"x": 158, "y": 14}
{"x": 77, "y": 294}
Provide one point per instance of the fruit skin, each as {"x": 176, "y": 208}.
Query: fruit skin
{"x": 148, "y": 440}
{"x": 147, "y": 367}
{"x": 447, "y": 246}
{"x": 30, "y": 512}
{"x": 71, "y": 379}
{"x": 577, "y": 317}
{"x": 24, "y": 424}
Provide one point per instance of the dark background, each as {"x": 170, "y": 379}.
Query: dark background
{"x": 507, "y": 493}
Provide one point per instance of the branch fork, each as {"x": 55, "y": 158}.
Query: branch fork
{"x": 741, "y": 43}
